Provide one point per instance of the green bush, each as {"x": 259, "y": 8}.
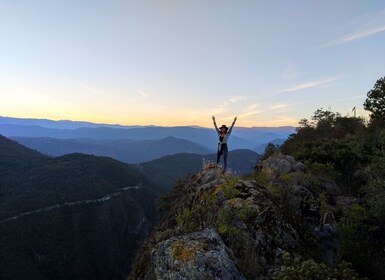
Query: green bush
{"x": 224, "y": 223}
{"x": 185, "y": 219}
{"x": 262, "y": 178}
{"x": 229, "y": 189}
{"x": 270, "y": 150}
{"x": 311, "y": 270}
{"x": 246, "y": 213}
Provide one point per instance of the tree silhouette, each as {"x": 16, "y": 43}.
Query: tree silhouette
{"x": 375, "y": 101}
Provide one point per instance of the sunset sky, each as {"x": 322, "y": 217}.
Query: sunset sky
{"x": 175, "y": 62}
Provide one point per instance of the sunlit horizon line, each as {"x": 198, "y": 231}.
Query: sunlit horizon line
{"x": 123, "y": 124}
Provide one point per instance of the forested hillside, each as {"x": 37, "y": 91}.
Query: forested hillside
{"x": 351, "y": 152}
{"x": 71, "y": 217}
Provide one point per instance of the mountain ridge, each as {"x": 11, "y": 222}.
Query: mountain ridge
{"x": 73, "y": 123}
{"x": 125, "y": 150}
{"x": 241, "y": 137}
{"x": 11, "y": 149}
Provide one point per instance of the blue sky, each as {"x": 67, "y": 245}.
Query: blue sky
{"x": 175, "y": 62}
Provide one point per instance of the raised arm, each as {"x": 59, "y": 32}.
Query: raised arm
{"x": 232, "y": 125}
{"x": 215, "y": 125}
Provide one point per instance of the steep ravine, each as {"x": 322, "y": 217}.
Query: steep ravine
{"x": 72, "y": 217}
{"x": 68, "y": 204}
{"x": 95, "y": 240}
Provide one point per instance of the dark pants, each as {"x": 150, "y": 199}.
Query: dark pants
{"x": 222, "y": 150}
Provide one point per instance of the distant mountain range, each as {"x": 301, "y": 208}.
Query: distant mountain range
{"x": 261, "y": 148}
{"x": 242, "y": 138}
{"x": 126, "y": 150}
{"x": 61, "y": 124}
{"x": 166, "y": 170}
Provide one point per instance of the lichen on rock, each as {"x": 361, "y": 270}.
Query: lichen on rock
{"x": 197, "y": 255}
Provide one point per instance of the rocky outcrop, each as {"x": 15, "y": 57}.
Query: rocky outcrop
{"x": 221, "y": 227}
{"x": 198, "y": 255}
{"x": 281, "y": 164}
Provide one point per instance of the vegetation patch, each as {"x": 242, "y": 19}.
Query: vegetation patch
{"x": 310, "y": 269}
{"x": 246, "y": 213}
{"x": 350, "y": 151}
{"x": 261, "y": 177}
{"x": 186, "y": 220}
{"x": 229, "y": 189}
{"x": 224, "y": 224}
{"x": 248, "y": 262}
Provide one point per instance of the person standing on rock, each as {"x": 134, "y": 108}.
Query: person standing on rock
{"x": 223, "y": 135}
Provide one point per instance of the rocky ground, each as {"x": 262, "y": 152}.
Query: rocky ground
{"x": 219, "y": 226}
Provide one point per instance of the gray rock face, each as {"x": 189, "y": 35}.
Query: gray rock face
{"x": 278, "y": 165}
{"x": 296, "y": 195}
{"x": 299, "y": 166}
{"x": 210, "y": 174}
{"x": 282, "y": 164}
{"x": 198, "y": 255}
{"x": 330, "y": 186}
{"x": 294, "y": 184}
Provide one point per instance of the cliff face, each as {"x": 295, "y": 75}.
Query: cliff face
{"x": 221, "y": 227}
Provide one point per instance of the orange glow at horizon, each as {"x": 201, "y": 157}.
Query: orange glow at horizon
{"x": 160, "y": 121}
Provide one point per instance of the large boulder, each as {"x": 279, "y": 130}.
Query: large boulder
{"x": 277, "y": 165}
{"x": 282, "y": 164}
{"x": 198, "y": 255}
